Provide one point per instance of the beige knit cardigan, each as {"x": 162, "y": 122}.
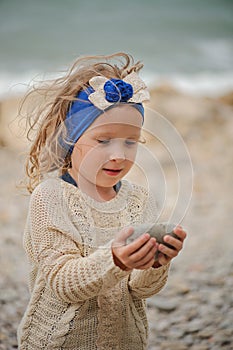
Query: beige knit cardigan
{"x": 79, "y": 298}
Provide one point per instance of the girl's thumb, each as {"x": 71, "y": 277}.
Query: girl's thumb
{"x": 122, "y": 236}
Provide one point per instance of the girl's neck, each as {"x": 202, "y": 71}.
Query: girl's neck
{"x": 98, "y": 193}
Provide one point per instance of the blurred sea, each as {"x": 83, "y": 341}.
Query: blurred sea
{"x": 188, "y": 43}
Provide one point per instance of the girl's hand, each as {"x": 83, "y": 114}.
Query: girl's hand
{"x": 167, "y": 254}
{"x": 137, "y": 255}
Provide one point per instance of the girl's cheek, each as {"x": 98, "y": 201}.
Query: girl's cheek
{"x": 131, "y": 154}
{"x": 93, "y": 162}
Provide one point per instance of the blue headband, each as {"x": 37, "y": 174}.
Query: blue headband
{"x": 100, "y": 96}
{"x": 82, "y": 113}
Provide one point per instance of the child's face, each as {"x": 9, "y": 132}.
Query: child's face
{"x": 105, "y": 153}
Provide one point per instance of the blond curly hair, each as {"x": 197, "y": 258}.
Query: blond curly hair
{"x": 55, "y": 96}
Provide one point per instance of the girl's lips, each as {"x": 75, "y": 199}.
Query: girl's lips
{"x": 112, "y": 172}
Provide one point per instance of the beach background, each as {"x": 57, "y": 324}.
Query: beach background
{"x": 187, "y": 49}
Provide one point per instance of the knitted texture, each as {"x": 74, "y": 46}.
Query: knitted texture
{"x": 79, "y": 298}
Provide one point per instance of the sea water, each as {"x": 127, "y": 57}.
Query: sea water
{"x": 187, "y": 43}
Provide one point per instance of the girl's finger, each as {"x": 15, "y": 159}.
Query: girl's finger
{"x": 146, "y": 265}
{"x": 174, "y": 242}
{"x": 163, "y": 259}
{"x": 145, "y": 253}
{"x": 122, "y": 236}
{"x": 180, "y": 232}
{"x": 171, "y": 253}
{"x": 138, "y": 243}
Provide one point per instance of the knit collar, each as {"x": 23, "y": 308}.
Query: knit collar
{"x": 68, "y": 178}
{"x": 119, "y": 202}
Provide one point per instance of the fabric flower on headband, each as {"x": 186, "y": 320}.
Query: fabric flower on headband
{"x": 109, "y": 91}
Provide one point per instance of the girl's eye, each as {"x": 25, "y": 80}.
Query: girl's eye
{"x": 130, "y": 142}
{"x": 104, "y": 141}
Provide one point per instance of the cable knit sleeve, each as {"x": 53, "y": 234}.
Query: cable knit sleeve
{"x": 56, "y": 248}
{"x": 146, "y": 283}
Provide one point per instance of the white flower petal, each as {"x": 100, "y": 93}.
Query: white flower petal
{"x": 98, "y": 97}
{"x": 140, "y": 96}
{"x": 98, "y": 100}
{"x": 97, "y": 82}
{"x": 136, "y": 82}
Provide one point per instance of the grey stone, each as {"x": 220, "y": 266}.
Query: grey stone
{"x": 156, "y": 230}
{"x": 176, "y": 333}
{"x": 188, "y": 339}
{"x": 173, "y": 345}
{"x": 207, "y": 333}
{"x": 200, "y": 347}
{"x": 163, "y": 304}
{"x": 195, "y": 326}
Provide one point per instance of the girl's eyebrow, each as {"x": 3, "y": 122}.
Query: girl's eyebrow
{"x": 105, "y": 134}
{"x": 113, "y": 135}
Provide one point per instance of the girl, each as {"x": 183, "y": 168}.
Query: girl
{"x": 88, "y": 286}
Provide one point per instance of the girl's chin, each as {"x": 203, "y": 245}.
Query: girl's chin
{"x": 101, "y": 183}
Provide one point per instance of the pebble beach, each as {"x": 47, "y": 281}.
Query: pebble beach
{"x": 195, "y": 309}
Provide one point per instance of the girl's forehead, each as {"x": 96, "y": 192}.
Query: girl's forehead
{"x": 115, "y": 130}
{"x": 116, "y": 117}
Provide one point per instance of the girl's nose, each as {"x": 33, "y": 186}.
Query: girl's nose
{"x": 117, "y": 152}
